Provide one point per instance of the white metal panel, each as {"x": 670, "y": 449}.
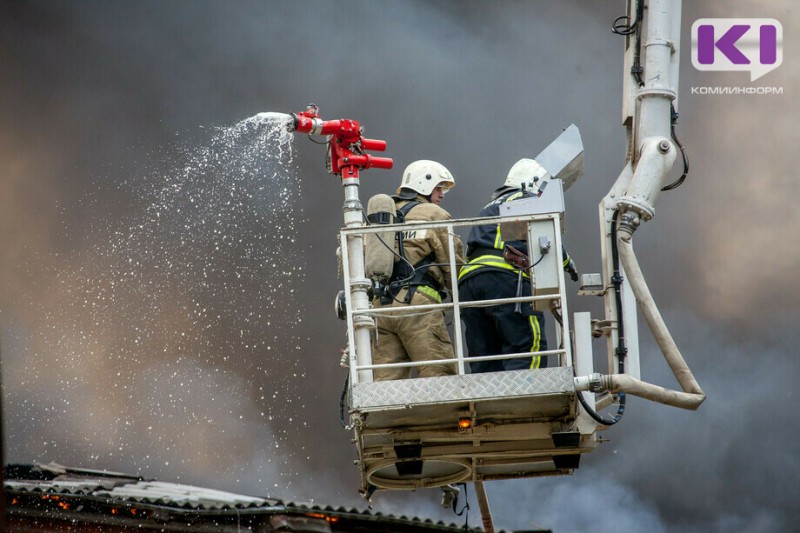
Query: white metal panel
{"x": 584, "y": 364}
{"x": 470, "y": 387}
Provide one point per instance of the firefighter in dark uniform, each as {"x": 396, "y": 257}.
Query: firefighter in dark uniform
{"x": 506, "y": 328}
{"x": 421, "y": 277}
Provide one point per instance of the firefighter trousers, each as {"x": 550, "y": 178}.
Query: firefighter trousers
{"x": 500, "y": 329}
{"x": 412, "y": 336}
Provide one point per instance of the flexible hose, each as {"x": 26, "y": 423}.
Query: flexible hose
{"x": 621, "y": 350}
{"x": 599, "y": 419}
{"x": 616, "y": 279}
{"x": 692, "y": 395}
{"x": 630, "y": 385}
{"x": 342, "y": 400}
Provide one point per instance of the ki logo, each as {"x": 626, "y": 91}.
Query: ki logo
{"x": 754, "y": 45}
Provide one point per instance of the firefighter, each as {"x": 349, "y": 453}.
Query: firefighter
{"x": 421, "y": 275}
{"x": 507, "y": 328}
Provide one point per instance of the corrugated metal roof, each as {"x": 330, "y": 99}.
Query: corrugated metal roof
{"x": 122, "y": 487}
{"x": 57, "y": 487}
{"x": 187, "y": 496}
{"x": 116, "y": 488}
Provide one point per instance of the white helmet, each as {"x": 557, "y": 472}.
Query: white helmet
{"x": 423, "y": 176}
{"x": 526, "y": 174}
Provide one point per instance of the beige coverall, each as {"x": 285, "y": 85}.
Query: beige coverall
{"x": 419, "y": 335}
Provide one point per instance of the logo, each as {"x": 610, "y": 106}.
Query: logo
{"x": 754, "y": 45}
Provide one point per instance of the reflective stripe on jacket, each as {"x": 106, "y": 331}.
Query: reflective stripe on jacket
{"x": 490, "y": 261}
{"x": 489, "y": 237}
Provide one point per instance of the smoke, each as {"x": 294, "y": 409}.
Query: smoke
{"x": 153, "y": 336}
{"x": 158, "y": 318}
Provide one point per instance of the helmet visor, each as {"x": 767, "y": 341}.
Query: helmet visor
{"x": 445, "y": 186}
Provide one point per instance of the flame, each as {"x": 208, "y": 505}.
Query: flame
{"x": 330, "y": 519}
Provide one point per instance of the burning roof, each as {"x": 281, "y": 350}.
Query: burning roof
{"x": 51, "y": 497}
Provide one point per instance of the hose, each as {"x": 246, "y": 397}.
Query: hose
{"x": 621, "y": 350}
{"x": 342, "y": 400}
{"x": 622, "y": 26}
{"x": 636, "y": 387}
{"x": 692, "y": 395}
{"x": 599, "y": 419}
{"x": 616, "y": 279}
{"x": 677, "y": 183}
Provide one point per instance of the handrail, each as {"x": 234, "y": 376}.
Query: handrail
{"x": 498, "y": 357}
{"x": 456, "y": 223}
{"x": 450, "y": 305}
{"x": 456, "y": 304}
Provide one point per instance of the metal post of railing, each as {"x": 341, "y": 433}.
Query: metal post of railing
{"x": 357, "y": 293}
{"x": 562, "y": 294}
{"x": 456, "y": 307}
{"x": 351, "y": 342}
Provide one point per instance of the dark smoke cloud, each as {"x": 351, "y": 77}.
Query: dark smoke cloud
{"x": 106, "y": 103}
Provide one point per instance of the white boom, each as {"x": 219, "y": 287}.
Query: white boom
{"x": 650, "y": 98}
{"x": 432, "y": 432}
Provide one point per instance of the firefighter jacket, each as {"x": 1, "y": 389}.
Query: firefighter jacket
{"x": 419, "y": 244}
{"x": 485, "y": 243}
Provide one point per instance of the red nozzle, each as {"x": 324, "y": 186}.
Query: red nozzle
{"x": 347, "y": 144}
{"x": 302, "y": 123}
{"x": 366, "y": 161}
{"x": 307, "y": 122}
{"x": 376, "y": 145}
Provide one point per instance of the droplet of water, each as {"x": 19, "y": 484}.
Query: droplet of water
{"x": 160, "y": 319}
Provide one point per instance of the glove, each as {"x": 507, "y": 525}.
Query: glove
{"x": 573, "y": 272}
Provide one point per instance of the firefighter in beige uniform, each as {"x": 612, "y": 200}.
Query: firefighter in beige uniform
{"x": 420, "y": 277}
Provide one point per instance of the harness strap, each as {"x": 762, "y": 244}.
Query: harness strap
{"x": 414, "y": 277}
{"x": 493, "y": 262}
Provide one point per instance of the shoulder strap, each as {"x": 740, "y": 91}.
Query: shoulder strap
{"x": 401, "y": 269}
{"x": 403, "y": 211}
{"x": 405, "y": 275}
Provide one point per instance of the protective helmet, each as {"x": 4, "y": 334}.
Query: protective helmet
{"x": 423, "y": 176}
{"x": 526, "y": 174}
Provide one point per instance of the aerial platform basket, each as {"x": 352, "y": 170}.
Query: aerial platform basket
{"x": 430, "y": 432}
